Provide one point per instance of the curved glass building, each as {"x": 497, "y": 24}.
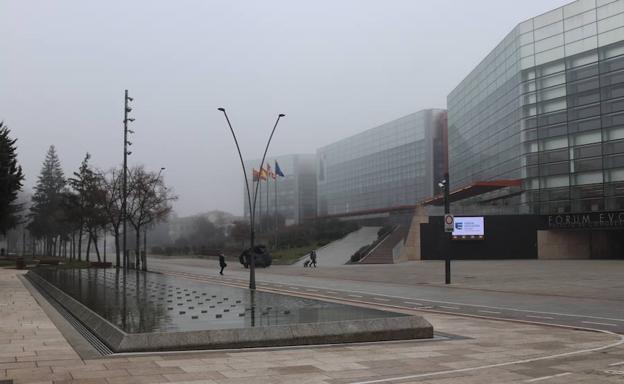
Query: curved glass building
{"x": 388, "y": 167}
{"x": 546, "y": 106}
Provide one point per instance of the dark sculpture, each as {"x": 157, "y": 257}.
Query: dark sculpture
{"x": 261, "y": 256}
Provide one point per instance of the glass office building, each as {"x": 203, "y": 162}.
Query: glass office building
{"x": 547, "y": 106}
{"x": 293, "y": 196}
{"x": 393, "y": 165}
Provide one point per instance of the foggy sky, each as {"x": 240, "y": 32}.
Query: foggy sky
{"x": 334, "y": 67}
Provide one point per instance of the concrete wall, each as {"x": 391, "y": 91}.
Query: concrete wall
{"x": 411, "y": 248}
{"x": 554, "y": 244}
{"x": 579, "y": 244}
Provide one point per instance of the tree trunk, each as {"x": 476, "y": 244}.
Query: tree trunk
{"x": 117, "y": 250}
{"x": 80, "y": 244}
{"x": 138, "y": 246}
{"x": 144, "y": 255}
{"x": 87, "y": 258}
{"x": 95, "y": 244}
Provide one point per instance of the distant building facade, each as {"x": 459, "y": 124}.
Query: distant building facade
{"x": 179, "y": 227}
{"x": 546, "y": 106}
{"x": 292, "y": 197}
{"x": 395, "y": 164}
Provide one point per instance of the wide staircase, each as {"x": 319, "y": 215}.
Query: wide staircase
{"x": 382, "y": 254}
{"x": 339, "y": 252}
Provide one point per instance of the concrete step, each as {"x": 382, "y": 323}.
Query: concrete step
{"x": 383, "y": 253}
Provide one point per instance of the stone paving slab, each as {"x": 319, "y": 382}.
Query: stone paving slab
{"x": 598, "y": 279}
{"x": 34, "y": 351}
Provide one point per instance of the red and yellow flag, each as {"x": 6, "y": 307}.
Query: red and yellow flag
{"x": 263, "y": 174}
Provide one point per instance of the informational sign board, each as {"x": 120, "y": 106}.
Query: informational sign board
{"x": 448, "y": 223}
{"x": 469, "y": 228}
{"x": 598, "y": 220}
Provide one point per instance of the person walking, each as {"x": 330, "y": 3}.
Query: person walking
{"x": 313, "y": 258}
{"x": 222, "y": 262}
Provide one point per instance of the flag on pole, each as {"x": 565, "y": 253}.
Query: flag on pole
{"x": 256, "y": 175}
{"x": 278, "y": 170}
{"x": 263, "y": 174}
{"x": 270, "y": 171}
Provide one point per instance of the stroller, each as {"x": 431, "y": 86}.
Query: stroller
{"x": 306, "y": 263}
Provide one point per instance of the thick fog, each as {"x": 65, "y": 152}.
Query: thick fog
{"x": 333, "y": 67}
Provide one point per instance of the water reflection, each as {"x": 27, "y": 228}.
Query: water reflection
{"x": 139, "y": 302}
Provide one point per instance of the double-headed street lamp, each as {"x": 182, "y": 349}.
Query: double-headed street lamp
{"x": 126, "y": 152}
{"x": 252, "y": 203}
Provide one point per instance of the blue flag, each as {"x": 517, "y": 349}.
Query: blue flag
{"x": 278, "y": 170}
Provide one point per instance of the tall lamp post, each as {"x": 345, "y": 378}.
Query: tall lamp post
{"x": 124, "y": 187}
{"x": 252, "y": 203}
{"x": 444, "y": 184}
{"x": 144, "y": 267}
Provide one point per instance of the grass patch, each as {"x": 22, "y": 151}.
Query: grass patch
{"x": 290, "y": 255}
{"x": 74, "y": 264}
{"x": 7, "y": 263}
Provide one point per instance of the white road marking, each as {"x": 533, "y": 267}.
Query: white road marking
{"x": 614, "y": 364}
{"x": 548, "y": 377}
{"x": 447, "y": 307}
{"x": 614, "y": 372}
{"x": 412, "y": 303}
{"x": 484, "y": 311}
{"x": 355, "y": 296}
{"x": 478, "y": 305}
{"x": 540, "y": 317}
{"x": 331, "y": 293}
{"x": 380, "y": 299}
{"x": 593, "y": 322}
{"x": 469, "y": 369}
{"x": 311, "y": 290}
{"x": 293, "y": 287}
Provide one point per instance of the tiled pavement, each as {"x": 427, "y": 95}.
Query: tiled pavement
{"x": 32, "y": 350}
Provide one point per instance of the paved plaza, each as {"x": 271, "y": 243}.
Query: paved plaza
{"x": 600, "y": 279}
{"x": 34, "y": 349}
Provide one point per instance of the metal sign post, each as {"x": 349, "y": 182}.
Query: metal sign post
{"x": 449, "y": 222}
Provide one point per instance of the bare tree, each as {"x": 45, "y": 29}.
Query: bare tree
{"x": 148, "y": 203}
{"x": 111, "y": 183}
{"x": 90, "y": 205}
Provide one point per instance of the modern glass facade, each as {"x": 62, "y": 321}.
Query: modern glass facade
{"x": 547, "y": 106}
{"x": 391, "y": 165}
{"x": 293, "y": 196}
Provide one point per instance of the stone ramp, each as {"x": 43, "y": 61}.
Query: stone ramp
{"x": 382, "y": 254}
{"x": 338, "y": 252}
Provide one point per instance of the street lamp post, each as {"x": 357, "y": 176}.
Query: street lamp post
{"x": 252, "y": 203}
{"x": 447, "y": 247}
{"x": 127, "y": 143}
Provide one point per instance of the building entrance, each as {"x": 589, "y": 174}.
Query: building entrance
{"x": 581, "y": 244}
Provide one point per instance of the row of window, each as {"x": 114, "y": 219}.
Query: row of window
{"x": 565, "y": 206}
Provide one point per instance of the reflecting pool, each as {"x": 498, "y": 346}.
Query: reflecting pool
{"x": 145, "y": 302}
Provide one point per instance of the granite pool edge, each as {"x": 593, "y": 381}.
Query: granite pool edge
{"x": 401, "y": 327}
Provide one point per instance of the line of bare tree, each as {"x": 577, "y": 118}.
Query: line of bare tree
{"x": 66, "y": 212}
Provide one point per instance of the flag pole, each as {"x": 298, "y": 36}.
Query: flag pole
{"x": 268, "y": 211}
{"x": 275, "y": 211}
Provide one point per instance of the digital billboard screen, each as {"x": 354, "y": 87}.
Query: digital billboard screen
{"x": 468, "y": 228}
